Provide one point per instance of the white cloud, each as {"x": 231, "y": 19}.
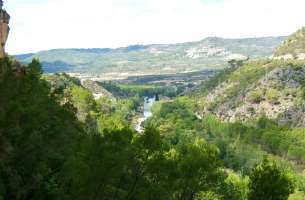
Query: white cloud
{"x": 47, "y": 24}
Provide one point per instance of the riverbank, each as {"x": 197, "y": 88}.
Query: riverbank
{"x": 148, "y": 103}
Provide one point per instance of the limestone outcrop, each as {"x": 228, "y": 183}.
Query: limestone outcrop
{"x": 273, "y": 88}
{"x": 4, "y": 29}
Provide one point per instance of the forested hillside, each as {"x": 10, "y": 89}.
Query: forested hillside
{"x": 233, "y": 134}
{"x": 46, "y": 153}
{"x": 251, "y": 110}
{"x": 216, "y": 119}
{"x": 57, "y": 142}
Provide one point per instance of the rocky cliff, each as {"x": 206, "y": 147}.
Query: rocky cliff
{"x": 275, "y": 89}
{"x": 4, "y": 29}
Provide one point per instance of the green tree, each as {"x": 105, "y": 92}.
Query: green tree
{"x": 37, "y": 135}
{"x": 269, "y": 182}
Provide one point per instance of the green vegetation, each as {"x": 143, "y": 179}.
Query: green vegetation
{"x": 46, "y": 153}
{"x": 272, "y": 96}
{"x": 268, "y": 181}
{"x": 116, "y": 114}
{"x": 104, "y": 113}
{"x": 241, "y": 147}
{"x": 256, "y": 96}
{"x": 294, "y": 44}
{"x": 253, "y": 89}
{"x": 144, "y": 90}
{"x": 58, "y": 142}
{"x": 37, "y": 135}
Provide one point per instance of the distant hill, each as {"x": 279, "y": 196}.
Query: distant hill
{"x": 209, "y": 53}
{"x": 294, "y": 46}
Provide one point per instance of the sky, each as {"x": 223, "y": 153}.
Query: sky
{"x": 50, "y": 24}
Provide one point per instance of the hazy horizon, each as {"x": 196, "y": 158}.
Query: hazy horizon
{"x": 44, "y": 24}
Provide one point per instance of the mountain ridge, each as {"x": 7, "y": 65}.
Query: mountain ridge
{"x": 147, "y": 45}
{"x": 211, "y": 52}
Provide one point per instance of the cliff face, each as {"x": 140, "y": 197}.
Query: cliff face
{"x": 4, "y": 30}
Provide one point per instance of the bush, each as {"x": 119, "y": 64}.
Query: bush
{"x": 272, "y": 96}
{"x": 256, "y": 97}
{"x": 268, "y": 181}
{"x": 296, "y": 153}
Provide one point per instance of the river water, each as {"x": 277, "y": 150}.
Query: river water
{"x": 148, "y": 103}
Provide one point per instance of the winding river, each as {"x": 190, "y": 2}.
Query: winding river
{"x": 148, "y": 103}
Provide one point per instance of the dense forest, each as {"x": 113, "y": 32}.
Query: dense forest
{"x": 46, "y": 153}
{"x": 59, "y": 143}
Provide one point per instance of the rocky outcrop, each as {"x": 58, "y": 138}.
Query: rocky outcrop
{"x": 278, "y": 94}
{"x": 97, "y": 90}
{"x": 203, "y": 51}
{"x": 4, "y": 29}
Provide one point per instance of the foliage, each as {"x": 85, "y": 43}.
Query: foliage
{"x": 59, "y": 143}
{"x": 148, "y": 90}
{"x": 121, "y": 165}
{"x": 237, "y": 186}
{"x": 261, "y": 84}
{"x": 297, "y": 196}
{"x": 115, "y": 114}
{"x": 214, "y": 81}
{"x": 268, "y": 181}
{"x": 256, "y": 96}
{"x": 82, "y": 100}
{"x": 294, "y": 44}
{"x": 272, "y": 96}
{"x": 37, "y": 135}
{"x": 241, "y": 146}
{"x": 46, "y": 153}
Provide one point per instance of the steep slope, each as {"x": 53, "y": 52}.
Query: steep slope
{"x": 294, "y": 46}
{"x": 96, "y": 89}
{"x": 272, "y": 88}
{"x": 80, "y": 94}
{"x": 62, "y": 81}
{"x": 152, "y": 59}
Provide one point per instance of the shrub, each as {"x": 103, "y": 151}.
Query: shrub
{"x": 268, "y": 181}
{"x": 272, "y": 96}
{"x": 256, "y": 96}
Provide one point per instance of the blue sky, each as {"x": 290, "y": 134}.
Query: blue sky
{"x": 47, "y": 24}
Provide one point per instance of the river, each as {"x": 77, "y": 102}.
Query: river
{"x": 148, "y": 103}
